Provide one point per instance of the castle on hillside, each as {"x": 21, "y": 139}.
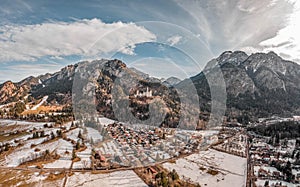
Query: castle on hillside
{"x": 147, "y": 93}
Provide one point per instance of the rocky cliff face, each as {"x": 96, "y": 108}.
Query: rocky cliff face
{"x": 97, "y": 79}
{"x": 12, "y": 92}
{"x": 272, "y": 72}
{"x": 7, "y": 90}
{"x": 258, "y": 85}
{"x": 57, "y": 85}
{"x": 112, "y": 82}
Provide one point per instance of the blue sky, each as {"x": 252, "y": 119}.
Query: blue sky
{"x": 174, "y": 37}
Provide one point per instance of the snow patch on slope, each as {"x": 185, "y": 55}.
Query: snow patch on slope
{"x": 40, "y": 104}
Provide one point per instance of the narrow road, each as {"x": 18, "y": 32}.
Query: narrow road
{"x": 250, "y": 172}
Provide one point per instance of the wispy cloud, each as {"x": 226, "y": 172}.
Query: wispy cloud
{"x": 24, "y": 4}
{"x": 174, "y": 40}
{"x": 82, "y": 37}
{"x": 19, "y": 71}
{"x": 164, "y": 68}
{"x": 238, "y": 24}
{"x": 287, "y": 41}
{"x": 256, "y": 25}
{"x": 14, "y": 10}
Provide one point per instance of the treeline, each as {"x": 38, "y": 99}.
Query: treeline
{"x": 63, "y": 86}
{"x": 280, "y": 130}
{"x": 286, "y": 169}
{"x": 14, "y": 111}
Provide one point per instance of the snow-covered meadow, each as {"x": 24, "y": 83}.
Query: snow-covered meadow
{"x": 119, "y": 178}
{"x": 231, "y": 170}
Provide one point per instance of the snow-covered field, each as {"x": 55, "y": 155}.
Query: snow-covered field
{"x": 73, "y": 134}
{"x": 106, "y": 121}
{"x": 65, "y": 159}
{"x": 63, "y": 147}
{"x": 59, "y": 164}
{"x": 14, "y": 125}
{"x": 94, "y": 135}
{"x": 110, "y": 148}
{"x": 231, "y": 169}
{"x": 120, "y": 178}
{"x": 25, "y": 124}
{"x": 26, "y": 153}
{"x": 85, "y": 160}
{"x": 69, "y": 124}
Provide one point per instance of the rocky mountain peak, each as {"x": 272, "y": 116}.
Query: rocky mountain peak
{"x": 260, "y": 84}
{"x": 252, "y": 82}
{"x": 8, "y": 84}
{"x": 266, "y": 60}
{"x": 171, "y": 81}
{"x": 30, "y": 81}
{"x": 7, "y": 90}
{"x": 234, "y": 58}
{"x": 227, "y": 58}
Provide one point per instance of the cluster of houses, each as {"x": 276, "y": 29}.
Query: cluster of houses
{"x": 236, "y": 145}
{"x": 135, "y": 147}
{"x": 278, "y": 164}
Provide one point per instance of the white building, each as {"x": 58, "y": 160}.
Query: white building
{"x": 148, "y": 93}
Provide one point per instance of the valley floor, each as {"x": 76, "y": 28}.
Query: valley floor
{"x": 47, "y": 160}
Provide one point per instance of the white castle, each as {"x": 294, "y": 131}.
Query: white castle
{"x": 148, "y": 93}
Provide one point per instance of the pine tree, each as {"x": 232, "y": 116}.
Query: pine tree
{"x": 6, "y": 148}
{"x": 74, "y": 154}
{"x": 80, "y": 135}
{"x": 78, "y": 145}
{"x": 59, "y": 133}
{"x": 42, "y": 134}
{"x": 52, "y": 135}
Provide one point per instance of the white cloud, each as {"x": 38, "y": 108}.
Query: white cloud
{"x": 236, "y": 24}
{"x": 287, "y": 41}
{"x": 57, "y": 39}
{"x": 129, "y": 50}
{"x": 174, "y": 40}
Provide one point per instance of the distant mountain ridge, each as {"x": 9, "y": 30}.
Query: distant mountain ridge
{"x": 171, "y": 81}
{"x": 257, "y": 85}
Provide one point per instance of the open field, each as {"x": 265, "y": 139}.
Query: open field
{"x": 211, "y": 168}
